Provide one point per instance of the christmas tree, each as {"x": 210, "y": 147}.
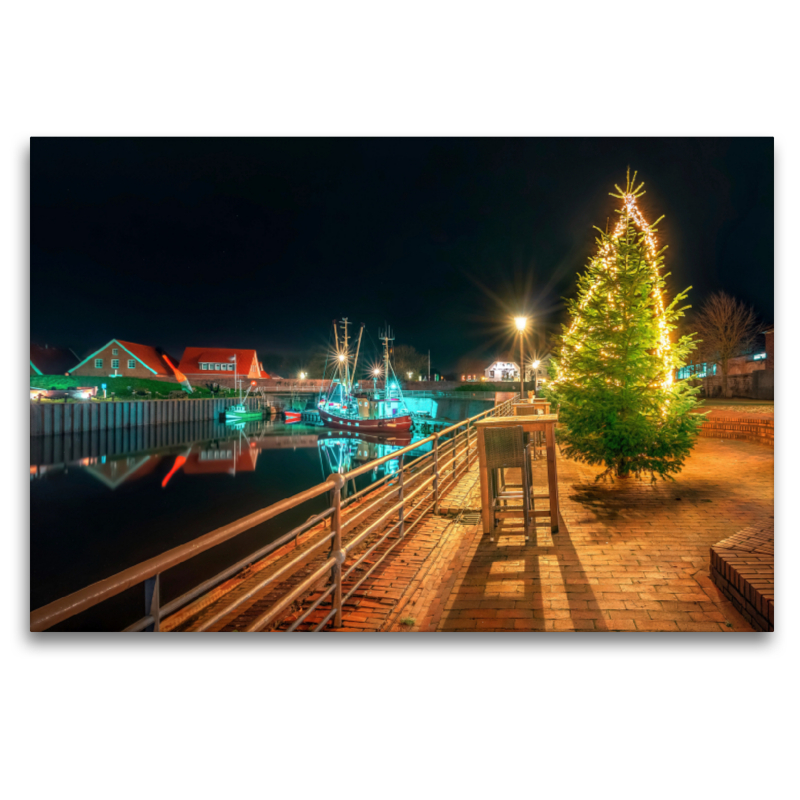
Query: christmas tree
{"x": 618, "y": 402}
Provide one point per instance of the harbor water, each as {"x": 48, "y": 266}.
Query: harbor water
{"x": 103, "y": 501}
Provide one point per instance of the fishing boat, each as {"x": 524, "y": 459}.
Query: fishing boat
{"x": 341, "y": 407}
{"x": 240, "y": 412}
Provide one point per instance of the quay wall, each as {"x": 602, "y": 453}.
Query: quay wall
{"x": 54, "y": 419}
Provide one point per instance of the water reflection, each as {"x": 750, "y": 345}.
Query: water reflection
{"x": 117, "y": 457}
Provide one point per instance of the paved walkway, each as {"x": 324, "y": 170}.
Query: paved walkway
{"x": 629, "y": 556}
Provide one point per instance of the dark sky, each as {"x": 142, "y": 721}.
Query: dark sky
{"x": 263, "y": 242}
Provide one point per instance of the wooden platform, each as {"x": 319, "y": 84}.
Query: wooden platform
{"x": 743, "y": 567}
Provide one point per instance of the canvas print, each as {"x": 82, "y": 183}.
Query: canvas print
{"x": 401, "y": 385}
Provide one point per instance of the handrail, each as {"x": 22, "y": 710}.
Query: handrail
{"x": 59, "y": 610}
{"x": 148, "y": 572}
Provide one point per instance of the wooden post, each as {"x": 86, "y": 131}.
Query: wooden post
{"x": 552, "y": 478}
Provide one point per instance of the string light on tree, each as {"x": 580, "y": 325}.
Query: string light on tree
{"x": 614, "y": 365}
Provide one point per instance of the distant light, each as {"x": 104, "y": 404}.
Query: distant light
{"x": 521, "y": 323}
{"x": 376, "y": 371}
{"x": 536, "y": 364}
{"x": 341, "y": 356}
{"x": 302, "y": 376}
{"x": 252, "y": 383}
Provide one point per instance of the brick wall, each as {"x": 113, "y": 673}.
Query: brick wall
{"x": 757, "y": 385}
{"x": 748, "y": 427}
{"x": 743, "y": 567}
{"x": 138, "y": 370}
{"x": 770, "y": 348}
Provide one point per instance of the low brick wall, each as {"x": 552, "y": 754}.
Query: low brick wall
{"x": 743, "y": 567}
{"x": 748, "y": 427}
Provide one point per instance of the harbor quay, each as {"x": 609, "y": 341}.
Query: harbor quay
{"x": 628, "y": 556}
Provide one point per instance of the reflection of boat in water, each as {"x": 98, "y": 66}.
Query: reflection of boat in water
{"x": 363, "y": 411}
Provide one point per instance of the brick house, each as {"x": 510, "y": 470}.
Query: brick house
{"x": 218, "y": 362}
{"x": 125, "y": 359}
{"x": 46, "y": 360}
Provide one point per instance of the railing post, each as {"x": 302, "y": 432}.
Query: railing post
{"x": 435, "y": 473}
{"x": 152, "y": 602}
{"x": 336, "y": 548}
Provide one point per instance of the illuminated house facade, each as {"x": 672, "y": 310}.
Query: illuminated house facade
{"x": 502, "y": 371}
{"x": 218, "y": 362}
{"x": 119, "y": 359}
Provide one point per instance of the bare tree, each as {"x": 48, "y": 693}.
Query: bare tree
{"x": 407, "y": 360}
{"x": 726, "y": 327}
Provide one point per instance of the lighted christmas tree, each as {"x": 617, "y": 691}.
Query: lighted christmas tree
{"x": 618, "y": 402}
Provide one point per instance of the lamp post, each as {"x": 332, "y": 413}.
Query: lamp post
{"x": 535, "y": 366}
{"x": 521, "y": 323}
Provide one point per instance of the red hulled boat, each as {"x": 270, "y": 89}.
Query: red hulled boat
{"x": 379, "y": 412}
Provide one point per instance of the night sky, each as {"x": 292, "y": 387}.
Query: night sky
{"x": 263, "y": 242}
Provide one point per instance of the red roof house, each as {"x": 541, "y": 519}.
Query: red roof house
{"x": 51, "y": 360}
{"x": 216, "y": 361}
{"x": 128, "y": 359}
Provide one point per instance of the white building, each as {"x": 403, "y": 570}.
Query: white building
{"x": 502, "y": 371}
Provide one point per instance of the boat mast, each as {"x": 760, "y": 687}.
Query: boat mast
{"x": 386, "y": 337}
{"x": 346, "y": 353}
{"x": 336, "y": 343}
{"x": 358, "y": 347}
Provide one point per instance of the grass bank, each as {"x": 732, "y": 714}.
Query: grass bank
{"x": 123, "y": 388}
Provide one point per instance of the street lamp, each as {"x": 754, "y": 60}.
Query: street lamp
{"x": 302, "y": 376}
{"x": 521, "y": 323}
{"x": 535, "y": 366}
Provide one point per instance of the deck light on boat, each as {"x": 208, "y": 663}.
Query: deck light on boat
{"x": 341, "y": 356}
{"x": 376, "y": 371}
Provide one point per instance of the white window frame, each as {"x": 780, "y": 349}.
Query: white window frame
{"x": 131, "y": 363}
{"x": 98, "y": 363}
{"x": 115, "y": 351}
{"x": 217, "y": 368}
{"x": 114, "y": 363}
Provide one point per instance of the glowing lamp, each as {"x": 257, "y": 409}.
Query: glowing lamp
{"x": 341, "y": 356}
{"x": 521, "y": 323}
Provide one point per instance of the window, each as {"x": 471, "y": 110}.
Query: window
{"x": 131, "y": 363}
{"x": 218, "y": 369}
{"x": 98, "y": 363}
{"x": 115, "y": 352}
{"x": 114, "y": 363}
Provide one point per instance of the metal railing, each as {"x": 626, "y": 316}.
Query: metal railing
{"x": 400, "y": 500}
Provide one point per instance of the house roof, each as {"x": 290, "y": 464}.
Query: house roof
{"x": 194, "y": 356}
{"x": 150, "y": 357}
{"x": 52, "y": 360}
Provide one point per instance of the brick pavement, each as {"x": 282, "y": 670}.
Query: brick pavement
{"x": 629, "y": 556}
